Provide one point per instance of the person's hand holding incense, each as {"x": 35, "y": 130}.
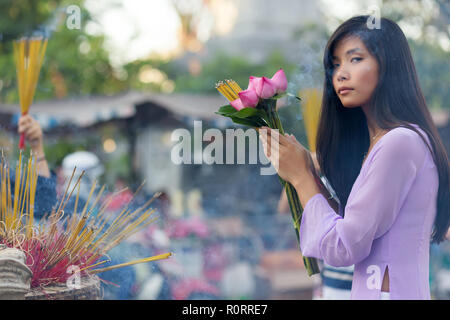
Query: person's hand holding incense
{"x": 33, "y": 134}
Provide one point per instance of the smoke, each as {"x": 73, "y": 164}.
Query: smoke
{"x": 309, "y": 70}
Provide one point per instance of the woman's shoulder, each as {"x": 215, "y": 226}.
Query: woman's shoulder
{"x": 403, "y": 136}
{"x": 403, "y": 142}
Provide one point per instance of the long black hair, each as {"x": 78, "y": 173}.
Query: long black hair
{"x": 397, "y": 101}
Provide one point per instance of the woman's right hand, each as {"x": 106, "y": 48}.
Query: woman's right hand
{"x": 314, "y": 165}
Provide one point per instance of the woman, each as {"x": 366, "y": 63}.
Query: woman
{"x": 381, "y": 153}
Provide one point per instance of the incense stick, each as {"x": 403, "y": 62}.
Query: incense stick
{"x": 159, "y": 257}
{"x": 60, "y": 241}
{"x": 29, "y": 56}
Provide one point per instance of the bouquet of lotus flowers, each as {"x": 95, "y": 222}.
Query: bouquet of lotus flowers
{"x": 256, "y": 107}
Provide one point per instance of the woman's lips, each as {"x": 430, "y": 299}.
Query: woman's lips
{"x": 345, "y": 91}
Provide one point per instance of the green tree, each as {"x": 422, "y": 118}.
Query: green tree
{"x": 20, "y": 17}
{"x": 222, "y": 67}
{"x": 75, "y": 63}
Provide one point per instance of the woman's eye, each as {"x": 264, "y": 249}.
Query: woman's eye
{"x": 358, "y": 59}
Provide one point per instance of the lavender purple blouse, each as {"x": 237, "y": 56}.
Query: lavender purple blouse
{"x": 387, "y": 223}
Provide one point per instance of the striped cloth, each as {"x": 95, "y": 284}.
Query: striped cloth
{"x": 338, "y": 278}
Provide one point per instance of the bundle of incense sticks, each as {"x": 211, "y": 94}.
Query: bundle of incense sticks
{"x": 29, "y": 55}
{"x": 61, "y": 240}
{"x": 229, "y": 89}
{"x": 17, "y": 209}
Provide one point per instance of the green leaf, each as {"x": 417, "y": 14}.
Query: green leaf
{"x": 249, "y": 112}
{"x": 226, "y": 110}
{"x": 247, "y": 116}
{"x": 257, "y": 115}
{"x": 251, "y": 122}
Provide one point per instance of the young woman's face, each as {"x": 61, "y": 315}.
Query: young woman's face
{"x": 354, "y": 68}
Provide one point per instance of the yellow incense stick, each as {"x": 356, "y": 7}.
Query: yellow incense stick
{"x": 29, "y": 56}
{"x": 233, "y": 84}
{"x": 311, "y": 115}
{"x": 229, "y": 89}
{"x": 79, "y": 239}
{"x": 154, "y": 258}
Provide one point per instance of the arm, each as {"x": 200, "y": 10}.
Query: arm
{"x": 296, "y": 165}
{"x": 45, "y": 195}
{"x": 314, "y": 180}
{"x": 371, "y": 209}
{"x": 33, "y": 134}
{"x": 46, "y": 183}
{"x": 283, "y": 205}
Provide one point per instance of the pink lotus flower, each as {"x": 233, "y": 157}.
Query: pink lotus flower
{"x": 280, "y": 81}
{"x": 249, "y": 98}
{"x": 265, "y": 88}
{"x": 253, "y": 82}
{"x": 260, "y": 87}
{"x": 237, "y": 104}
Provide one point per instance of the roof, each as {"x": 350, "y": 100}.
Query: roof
{"x": 87, "y": 111}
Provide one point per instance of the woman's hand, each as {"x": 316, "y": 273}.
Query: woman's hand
{"x": 291, "y": 160}
{"x": 33, "y": 134}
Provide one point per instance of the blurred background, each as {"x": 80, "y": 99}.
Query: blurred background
{"x": 120, "y": 76}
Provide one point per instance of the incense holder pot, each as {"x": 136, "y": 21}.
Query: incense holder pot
{"x": 15, "y": 276}
{"x": 90, "y": 289}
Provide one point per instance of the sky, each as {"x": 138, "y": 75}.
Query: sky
{"x": 137, "y": 28}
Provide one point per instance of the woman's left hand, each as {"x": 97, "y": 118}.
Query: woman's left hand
{"x": 291, "y": 160}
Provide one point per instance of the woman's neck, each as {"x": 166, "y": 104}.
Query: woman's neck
{"x": 374, "y": 130}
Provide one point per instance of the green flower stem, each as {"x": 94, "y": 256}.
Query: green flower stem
{"x": 310, "y": 264}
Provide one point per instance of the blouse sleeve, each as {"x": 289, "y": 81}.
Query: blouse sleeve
{"x": 45, "y": 195}
{"x": 371, "y": 209}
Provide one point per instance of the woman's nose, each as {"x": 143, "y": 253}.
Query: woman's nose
{"x": 342, "y": 73}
